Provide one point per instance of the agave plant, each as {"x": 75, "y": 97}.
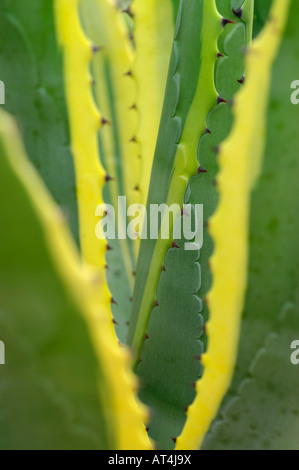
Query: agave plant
{"x": 134, "y": 342}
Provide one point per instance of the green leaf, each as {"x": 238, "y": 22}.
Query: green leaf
{"x": 115, "y": 94}
{"x": 270, "y": 320}
{"x": 66, "y": 384}
{"x": 182, "y": 124}
{"x": 153, "y": 38}
{"x": 170, "y": 358}
{"x": 31, "y": 68}
{"x": 261, "y": 13}
{"x": 240, "y": 160}
{"x": 49, "y": 393}
{"x": 229, "y": 69}
{"x": 264, "y": 413}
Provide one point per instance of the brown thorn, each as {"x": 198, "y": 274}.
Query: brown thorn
{"x": 163, "y": 268}
{"x": 174, "y": 245}
{"x": 114, "y": 321}
{"x": 96, "y": 48}
{"x": 225, "y": 21}
{"x": 201, "y": 170}
{"x": 156, "y": 303}
{"x": 105, "y": 121}
{"x": 220, "y": 100}
{"x": 238, "y": 13}
{"x": 108, "y": 178}
{"x": 129, "y": 12}
{"x": 113, "y": 301}
{"x": 197, "y": 358}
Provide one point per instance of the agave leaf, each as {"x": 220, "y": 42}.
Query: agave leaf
{"x": 123, "y": 4}
{"x": 31, "y": 68}
{"x": 273, "y": 279}
{"x": 115, "y": 95}
{"x": 229, "y": 261}
{"x": 90, "y": 175}
{"x": 172, "y": 352}
{"x": 66, "y": 384}
{"x": 170, "y": 358}
{"x": 153, "y": 36}
{"x": 263, "y": 415}
{"x": 228, "y": 75}
{"x": 77, "y": 52}
{"x": 261, "y": 13}
{"x": 183, "y": 122}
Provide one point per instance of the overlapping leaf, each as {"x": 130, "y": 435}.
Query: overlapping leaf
{"x": 32, "y": 71}
{"x": 270, "y": 321}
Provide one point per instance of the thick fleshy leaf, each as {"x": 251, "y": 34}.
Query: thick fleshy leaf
{"x": 183, "y": 122}
{"x": 176, "y": 327}
{"x": 65, "y": 383}
{"x": 115, "y": 95}
{"x": 153, "y": 36}
{"x": 32, "y": 70}
{"x": 240, "y": 160}
{"x": 266, "y": 405}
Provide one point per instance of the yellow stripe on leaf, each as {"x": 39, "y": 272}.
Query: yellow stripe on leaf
{"x": 115, "y": 93}
{"x": 124, "y": 411}
{"x": 240, "y": 160}
{"x": 154, "y": 32}
{"x": 85, "y": 122}
{"x": 127, "y": 413}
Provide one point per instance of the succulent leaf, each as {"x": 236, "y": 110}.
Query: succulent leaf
{"x": 229, "y": 261}
{"x": 271, "y": 305}
{"x": 66, "y": 383}
{"x": 158, "y": 101}
{"x": 175, "y": 326}
{"x": 32, "y": 70}
{"x": 90, "y": 175}
{"x": 115, "y": 95}
{"x": 182, "y": 124}
{"x": 170, "y": 358}
{"x": 153, "y": 36}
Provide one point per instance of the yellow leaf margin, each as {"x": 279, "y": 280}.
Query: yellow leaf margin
{"x": 240, "y": 160}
